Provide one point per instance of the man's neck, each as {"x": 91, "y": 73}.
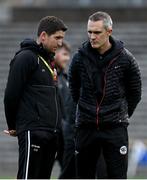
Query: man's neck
{"x": 45, "y": 49}
{"x": 105, "y": 48}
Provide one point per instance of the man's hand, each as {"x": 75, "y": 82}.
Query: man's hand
{"x": 10, "y": 132}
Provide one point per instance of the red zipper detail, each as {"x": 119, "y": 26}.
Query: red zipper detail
{"x": 104, "y": 91}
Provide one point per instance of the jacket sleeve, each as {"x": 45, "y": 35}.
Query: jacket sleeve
{"x": 74, "y": 79}
{"x": 18, "y": 75}
{"x": 133, "y": 85}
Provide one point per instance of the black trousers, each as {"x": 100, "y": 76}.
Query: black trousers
{"x": 60, "y": 152}
{"x": 68, "y": 168}
{"x": 37, "y": 150}
{"x": 69, "y": 160}
{"x": 114, "y": 144}
{"x": 101, "y": 172}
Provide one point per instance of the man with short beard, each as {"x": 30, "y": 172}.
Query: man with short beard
{"x": 32, "y": 102}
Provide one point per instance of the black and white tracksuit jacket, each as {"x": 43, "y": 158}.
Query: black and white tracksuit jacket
{"x": 31, "y": 97}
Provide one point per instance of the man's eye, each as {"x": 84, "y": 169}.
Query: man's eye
{"x": 97, "y": 32}
{"x": 58, "y": 38}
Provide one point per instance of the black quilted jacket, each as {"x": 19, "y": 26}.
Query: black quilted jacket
{"x": 106, "y": 88}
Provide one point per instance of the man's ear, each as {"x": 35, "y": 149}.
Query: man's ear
{"x": 43, "y": 36}
{"x": 109, "y": 32}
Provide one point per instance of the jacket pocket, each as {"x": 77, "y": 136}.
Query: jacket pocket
{"x": 108, "y": 109}
{"x": 110, "y": 113}
{"x": 45, "y": 114}
{"x": 87, "y": 109}
{"x": 45, "y": 104}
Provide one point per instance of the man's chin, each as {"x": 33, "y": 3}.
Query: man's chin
{"x": 95, "y": 46}
{"x": 53, "y": 50}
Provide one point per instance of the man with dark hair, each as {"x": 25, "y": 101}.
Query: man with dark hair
{"x": 50, "y": 25}
{"x": 105, "y": 83}
{"x": 32, "y": 102}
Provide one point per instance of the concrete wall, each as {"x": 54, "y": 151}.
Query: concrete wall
{"x": 78, "y": 14}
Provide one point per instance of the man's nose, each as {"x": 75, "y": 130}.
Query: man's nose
{"x": 92, "y": 36}
{"x": 60, "y": 42}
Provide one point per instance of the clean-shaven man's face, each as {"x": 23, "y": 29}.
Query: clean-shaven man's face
{"x": 52, "y": 42}
{"x": 98, "y": 34}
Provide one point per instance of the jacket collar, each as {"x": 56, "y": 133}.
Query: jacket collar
{"x": 92, "y": 54}
{"x": 30, "y": 44}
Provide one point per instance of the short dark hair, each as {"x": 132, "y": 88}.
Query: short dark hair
{"x": 51, "y": 24}
{"x": 66, "y": 46}
{"x": 105, "y": 17}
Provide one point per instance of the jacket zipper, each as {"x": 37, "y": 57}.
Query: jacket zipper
{"x": 57, "y": 116}
{"x": 99, "y": 104}
{"x": 53, "y": 73}
{"x": 104, "y": 91}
